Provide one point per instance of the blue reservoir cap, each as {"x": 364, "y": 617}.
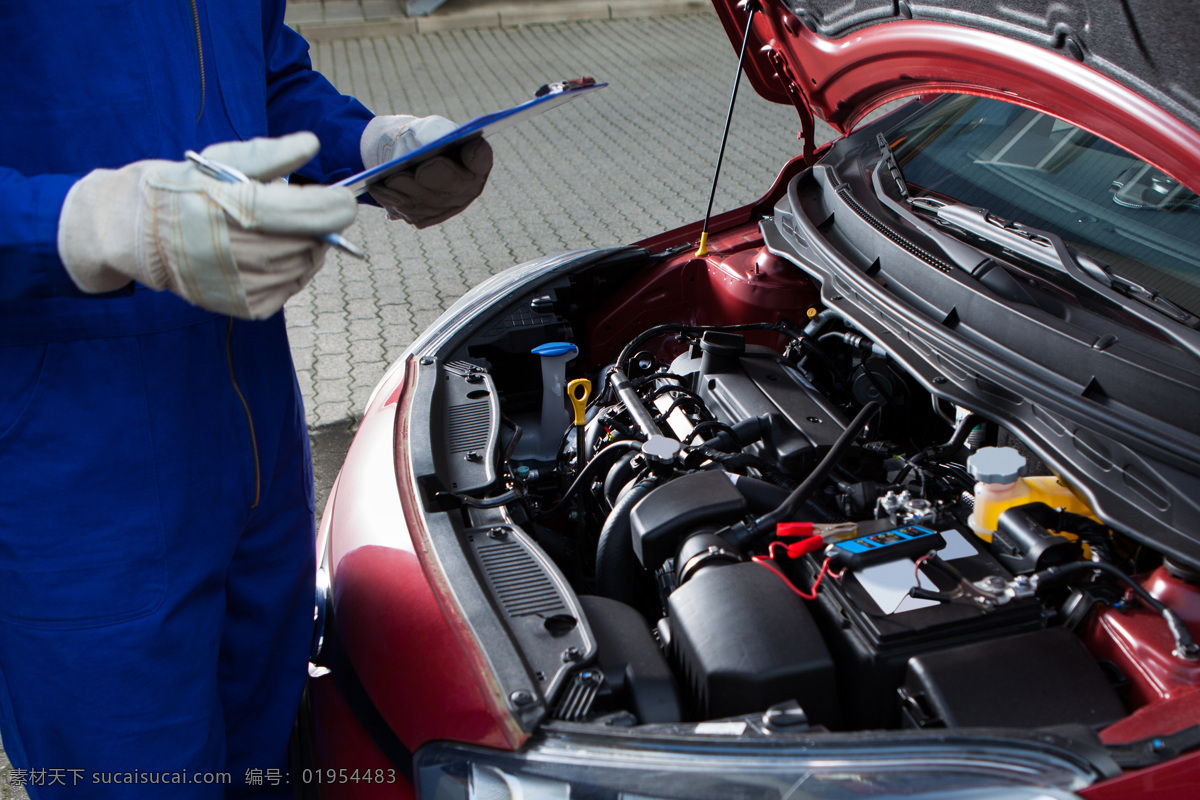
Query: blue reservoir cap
{"x": 555, "y": 349}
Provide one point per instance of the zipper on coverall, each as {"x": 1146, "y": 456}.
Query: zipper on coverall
{"x": 199, "y": 54}
{"x": 246, "y": 407}
{"x": 229, "y": 331}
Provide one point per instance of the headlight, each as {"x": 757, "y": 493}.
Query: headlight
{"x": 568, "y": 767}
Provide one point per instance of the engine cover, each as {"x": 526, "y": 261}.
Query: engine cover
{"x": 739, "y": 382}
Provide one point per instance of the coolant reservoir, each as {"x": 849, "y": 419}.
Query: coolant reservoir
{"x": 1001, "y": 485}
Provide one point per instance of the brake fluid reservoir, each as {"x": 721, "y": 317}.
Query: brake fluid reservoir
{"x": 1001, "y": 485}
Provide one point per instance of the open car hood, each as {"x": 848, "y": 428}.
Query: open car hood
{"x": 1106, "y": 65}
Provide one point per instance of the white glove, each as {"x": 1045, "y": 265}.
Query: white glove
{"x": 238, "y": 249}
{"x": 435, "y": 189}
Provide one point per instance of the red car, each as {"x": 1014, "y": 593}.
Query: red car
{"x": 886, "y": 486}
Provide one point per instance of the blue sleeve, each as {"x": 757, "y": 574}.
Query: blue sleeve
{"x": 299, "y": 98}
{"x": 29, "y": 210}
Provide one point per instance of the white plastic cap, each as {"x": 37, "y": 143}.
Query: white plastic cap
{"x": 996, "y": 465}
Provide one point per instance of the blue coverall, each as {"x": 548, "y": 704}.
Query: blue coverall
{"x": 156, "y": 508}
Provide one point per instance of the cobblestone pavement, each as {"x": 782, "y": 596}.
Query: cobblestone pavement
{"x": 321, "y": 20}
{"x": 629, "y": 161}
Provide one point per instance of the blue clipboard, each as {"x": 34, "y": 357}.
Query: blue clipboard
{"x": 548, "y": 97}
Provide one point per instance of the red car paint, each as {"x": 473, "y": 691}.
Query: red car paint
{"x": 385, "y": 599}
{"x": 380, "y": 587}
{"x": 384, "y": 603}
{"x": 738, "y": 282}
{"x": 1140, "y": 644}
{"x": 848, "y": 77}
{"x": 1171, "y": 780}
{"x": 339, "y": 739}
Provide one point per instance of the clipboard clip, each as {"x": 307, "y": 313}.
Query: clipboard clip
{"x": 564, "y": 86}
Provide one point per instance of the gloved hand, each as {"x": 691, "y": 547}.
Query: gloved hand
{"x": 239, "y": 249}
{"x": 437, "y": 188}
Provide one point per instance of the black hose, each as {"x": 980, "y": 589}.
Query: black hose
{"x": 587, "y": 474}
{"x": 645, "y": 336}
{"x": 703, "y": 427}
{"x": 1185, "y": 648}
{"x": 742, "y": 434}
{"x": 510, "y": 496}
{"x": 614, "y": 552}
{"x": 939, "y": 451}
{"x": 746, "y": 534}
{"x": 618, "y": 477}
{"x": 738, "y": 463}
{"x": 512, "y": 443}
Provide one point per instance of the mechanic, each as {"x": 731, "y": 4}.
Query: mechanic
{"x": 156, "y": 509}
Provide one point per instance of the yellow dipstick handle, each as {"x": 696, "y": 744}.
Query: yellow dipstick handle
{"x": 579, "y": 390}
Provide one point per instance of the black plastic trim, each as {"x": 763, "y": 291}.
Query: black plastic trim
{"x": 511, "y": 663}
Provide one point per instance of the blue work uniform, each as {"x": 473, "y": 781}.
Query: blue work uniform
{"x": 156, "y": 506}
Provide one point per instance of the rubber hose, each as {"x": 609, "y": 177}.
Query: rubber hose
{"x": 618, "y": 477}
{"x": 961, "y": 433}
{"x": 615, "y": 560}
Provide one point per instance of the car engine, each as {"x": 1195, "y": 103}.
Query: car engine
{"x": 771, "y": 517}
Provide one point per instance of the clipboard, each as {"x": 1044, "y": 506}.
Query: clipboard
{"x": 547, "y": 97}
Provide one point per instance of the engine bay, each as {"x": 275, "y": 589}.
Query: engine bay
{"x": 804, "y": 476}
{"x": 766, "y": 517}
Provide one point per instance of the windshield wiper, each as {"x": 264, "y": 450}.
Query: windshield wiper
{"x": 1036, "y": 245}
{"x": 1150, "y": 297}
{"x": 889, "y": 160}
{"x": 1049, "y": 250}
{"x": 962, "y": 255}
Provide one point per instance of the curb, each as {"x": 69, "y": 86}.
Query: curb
{"x": 510, "y": 16}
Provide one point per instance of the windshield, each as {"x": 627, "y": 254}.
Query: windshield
{"x": 1044, "y": 173}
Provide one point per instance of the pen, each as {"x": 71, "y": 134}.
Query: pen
{"x": 228, "y": 174}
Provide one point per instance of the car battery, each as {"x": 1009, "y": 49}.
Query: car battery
{"x": 873, "y": 627}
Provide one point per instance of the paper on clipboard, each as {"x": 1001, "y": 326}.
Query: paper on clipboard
{"x": 554, "y": 95}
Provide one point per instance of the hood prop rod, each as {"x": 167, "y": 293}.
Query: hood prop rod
{"x": 752, "y": 7}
